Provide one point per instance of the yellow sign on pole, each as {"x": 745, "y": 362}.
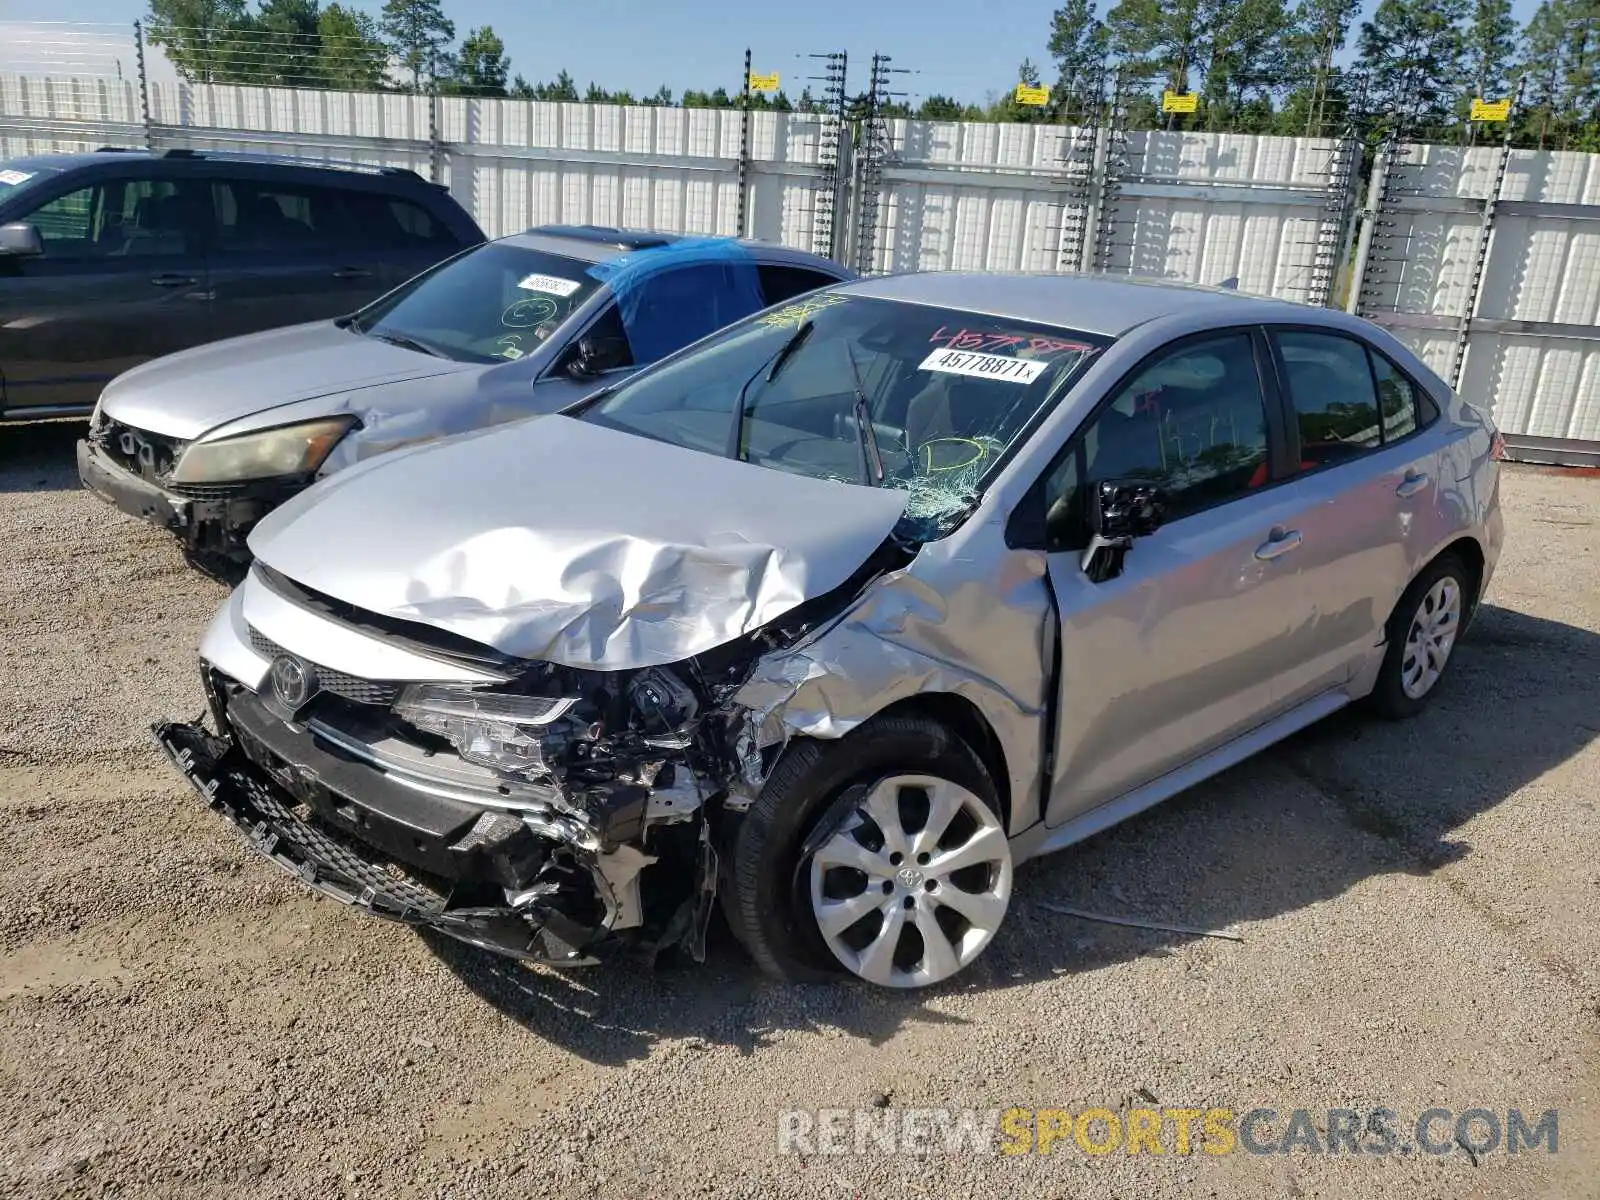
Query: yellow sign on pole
{"x": 1490, "y": 110}
{"x": 1037, "y": 97}
{"x": 1179, "y": 102}
{"x": 763, "y": 83}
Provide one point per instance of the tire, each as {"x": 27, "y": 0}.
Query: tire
{"x": 1396, "y": 695}
{"x": 816, "y": 788}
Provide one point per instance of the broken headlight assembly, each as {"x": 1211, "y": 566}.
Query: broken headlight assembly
{"x": 287, "y": 450}
{"x": 502, "y": 732}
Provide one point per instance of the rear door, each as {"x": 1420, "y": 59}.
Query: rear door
{"x": 1368, "y": 481}
{"x": 123, "y": 279}
{"x": 283, "y": 254}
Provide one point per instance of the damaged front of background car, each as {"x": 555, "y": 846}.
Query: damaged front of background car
{"x": 538, "y": 687}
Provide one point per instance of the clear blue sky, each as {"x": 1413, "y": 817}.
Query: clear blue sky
{"x": 960, "y": 49}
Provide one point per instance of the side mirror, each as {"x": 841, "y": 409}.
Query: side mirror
{"x": 21, "y": 240}
{"x": 595, "y": 355}
{"x": 1119, "y": 511}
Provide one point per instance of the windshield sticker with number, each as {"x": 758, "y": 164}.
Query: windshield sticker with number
{"x": 15, "y": 177}
{"x": 553, "y": 284}
{"x": 985, "y": 366}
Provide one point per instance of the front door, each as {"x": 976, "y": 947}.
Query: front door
{"x": 1188, "y": 647}
{"x": 122, "y": 279}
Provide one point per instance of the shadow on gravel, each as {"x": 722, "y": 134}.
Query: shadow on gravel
{"x": 40, "y": 456}
{"x": 1350, "y": 798}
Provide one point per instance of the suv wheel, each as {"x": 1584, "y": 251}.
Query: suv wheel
{"x": 883, "y": 854}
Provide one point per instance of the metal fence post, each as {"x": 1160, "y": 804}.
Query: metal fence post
{"x": 1491, "y": 202}
{"x": 1369, "y": 220}
{"x": 144, "y": 85}
{"x": 744, "y": 148}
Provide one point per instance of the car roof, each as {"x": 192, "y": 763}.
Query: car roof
{"x": 118, "y": 154}
{"x": 601, "y": 243}
{"x": 1095, "y": 304}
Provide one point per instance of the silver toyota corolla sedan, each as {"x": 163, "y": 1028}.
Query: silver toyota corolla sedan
{"x": 206, "y": 441}
{"x": 840, "y": 615}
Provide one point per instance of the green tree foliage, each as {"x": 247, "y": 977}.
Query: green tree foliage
{"x": 1415, "y": 52}
{"x": 1491, "y": 47}
{"x": 350, "y": 54}
{"x": 419, "y": 36}
{"x": 1560, "y": 65}
{"x": 197, "y": 35}
{"x": 1078, "y": 44}
{"x": 480, "y": 67}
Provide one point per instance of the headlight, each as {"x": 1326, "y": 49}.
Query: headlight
{"x": 288, "y": 450}
{"x": 500, "y": 732}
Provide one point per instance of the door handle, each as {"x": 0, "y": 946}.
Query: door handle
{"x": 1413, "y": 483}
{"x": 352, "y": 273}
{"x": 1280, "y": 543}
{"x": 170, "y": 280}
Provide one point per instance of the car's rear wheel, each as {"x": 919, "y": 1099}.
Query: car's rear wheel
{"x": 1422, "y": 635}
{"x": 883, "y": 855}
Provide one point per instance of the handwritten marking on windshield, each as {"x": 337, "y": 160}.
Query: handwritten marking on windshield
{"x": 792, "y": 315}
{"x": 525, "y": 314}
{"x": 971, "y": 339}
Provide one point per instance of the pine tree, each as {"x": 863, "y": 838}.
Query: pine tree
{"x": 419, "y": 35}
{"x": 1415, "y": 51}
{"x": 481, "y": 66}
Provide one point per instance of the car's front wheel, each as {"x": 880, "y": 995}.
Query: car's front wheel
{"x": 883, "y": 854}
{"x": 1422, "y": 634}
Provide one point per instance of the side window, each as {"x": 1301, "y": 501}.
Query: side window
{"x": 1397, "y": 398}
{"x": 610, "y": 339}
{"x": 1194, "y": 422}
{"x": 385, "y": 223}
{"x": 664, "y": 312}
{"x": 1335, "y": 405}
{"x": 780, "y": 283}
{"x": 255, "y": 216}
{"x": 124, "y": 218}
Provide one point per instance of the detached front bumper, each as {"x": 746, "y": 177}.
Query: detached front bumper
{"x": 324, "y": 836}
{"x": 212, "y": 521}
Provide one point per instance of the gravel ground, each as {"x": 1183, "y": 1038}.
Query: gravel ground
{"x": 1419, "y": 903}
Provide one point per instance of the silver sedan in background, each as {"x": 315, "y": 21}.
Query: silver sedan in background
{"x": 207, "y": 441}
{"x": 842, "y": 614}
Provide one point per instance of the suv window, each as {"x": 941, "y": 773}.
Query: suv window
{"x": 260, "y": 215}
{"x": 387, "y": 223}
{"x": 780, "y": 283}
{"x": 124, "y": 218}
{"x": 1194, "y": 422}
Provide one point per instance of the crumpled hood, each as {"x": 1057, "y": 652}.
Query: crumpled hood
{"x": 560, "y": 540}
{"x": 183, "y": 395}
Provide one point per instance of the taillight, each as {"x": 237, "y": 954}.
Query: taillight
{"x": 1497, "y": 447}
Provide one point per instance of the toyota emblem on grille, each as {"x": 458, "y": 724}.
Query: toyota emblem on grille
{"x": 292, "y": 681}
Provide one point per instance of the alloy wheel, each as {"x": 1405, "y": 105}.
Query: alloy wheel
{"x": 914, "y": 884}
{"x": 1432, "y": 636}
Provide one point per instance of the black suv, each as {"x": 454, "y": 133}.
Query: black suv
{"x": 114, "y": 257}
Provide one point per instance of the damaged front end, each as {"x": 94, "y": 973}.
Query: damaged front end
{"x": 556, "y": 815}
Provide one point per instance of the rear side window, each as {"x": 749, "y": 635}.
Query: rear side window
{"x": 1335, "y": 403}
{"x": 390, "y": 223}
{"x": 261, "y": 215}
{"x": 1348, "y": 399}
{"x": 780, "y": 283}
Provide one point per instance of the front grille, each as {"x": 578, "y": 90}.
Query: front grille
{"x": 209, "y": 491}
{"x": 150, "y": 456}
{"x": 350, "y": 687}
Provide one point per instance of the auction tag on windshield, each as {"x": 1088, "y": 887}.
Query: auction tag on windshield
{"x": 985, "y": 366}
{"x": 15, "y": 177}
{"x": 552, "y": 285}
